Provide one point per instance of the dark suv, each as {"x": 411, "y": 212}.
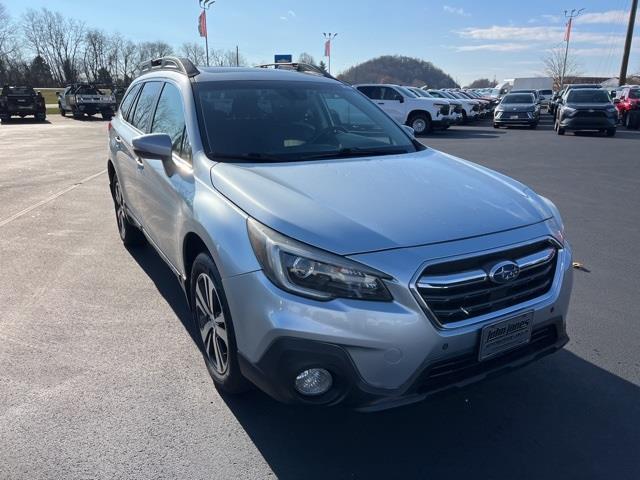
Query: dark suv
{"x": 587, "y": 109}
{"x": 21, "y": 102}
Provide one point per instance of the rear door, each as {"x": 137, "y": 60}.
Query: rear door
{"x": 168, "y": 186}
{"x": 134, "y": 123}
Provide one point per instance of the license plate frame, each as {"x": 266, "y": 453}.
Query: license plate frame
{"x": 505, "y": 335}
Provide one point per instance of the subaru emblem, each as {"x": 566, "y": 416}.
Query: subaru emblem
{"x": 504, "y": 272}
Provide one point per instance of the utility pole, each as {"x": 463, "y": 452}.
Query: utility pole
{"x": 206, "y": 5}
{"x": 567, "y": 37}
{"x": 327, "y": 47}
{"x": 627, "y": 43}
{"x": 237, "y": 56}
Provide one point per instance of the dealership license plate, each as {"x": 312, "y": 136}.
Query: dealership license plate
{"x": 505, "y": 335}
{"x": 513, "y": 117}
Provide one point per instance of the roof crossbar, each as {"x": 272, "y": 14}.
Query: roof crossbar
{"x": 180, "y": 65}
{"x": 299, "y": 67}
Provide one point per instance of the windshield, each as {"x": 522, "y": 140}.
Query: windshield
{"x": 518, "y": 98}
{"x": 420, "y": 93}
{"x": 588, "y": 96}
{"x": 291, "y": 121}
{"x": 88, "y": 90}
{"x": 407, "y": 92}
{"x": 18, "y": 91}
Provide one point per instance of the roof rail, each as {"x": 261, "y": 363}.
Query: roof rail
{"x": 299, "y": 67}
{"x": 181, "y": 65}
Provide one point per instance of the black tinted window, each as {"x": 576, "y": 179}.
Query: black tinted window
{"x": 128, "y": 100}
{"x": 144, "y": 106}
{"x": 635, "y": 93}
{"x": 169, "y": 116}
{"x": 588, "y": 96}
{"x": 518, "y": 98}
{"x": 390, "y": 94}
{"x": 374, "y": 93}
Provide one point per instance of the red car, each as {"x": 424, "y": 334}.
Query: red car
{"x": 628, "y": 103}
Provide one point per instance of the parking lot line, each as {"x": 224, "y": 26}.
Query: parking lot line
{"x": 49, "y": 199}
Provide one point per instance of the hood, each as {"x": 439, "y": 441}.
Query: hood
{"x": 590, "y": 106}
{"x": 517, "y": 107}
{"x": 350, "y": 206}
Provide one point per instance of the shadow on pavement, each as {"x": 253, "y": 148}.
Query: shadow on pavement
{"x": 560, "y": 418}
{"x": 23, "y": 121}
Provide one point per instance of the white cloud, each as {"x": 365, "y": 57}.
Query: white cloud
{"x": 552, "y": 18}
{"x": 495, "y": 47}
{"x": 456, "y": 11}
{"x": 536, "y": 34}
{"x": 610, "y": 16}
{"x": 291, "y": 13}
{"x": 284, "y": 19}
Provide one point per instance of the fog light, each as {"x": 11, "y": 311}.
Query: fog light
{"x": 314, "y": 381}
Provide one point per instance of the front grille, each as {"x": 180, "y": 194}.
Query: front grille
{"x": 457, "y": 369}
{"x": 444, "y": 110}
{"x": 461, "y": 289}
{"x": 588, "y": 114}
{"x": 457, "y": 109}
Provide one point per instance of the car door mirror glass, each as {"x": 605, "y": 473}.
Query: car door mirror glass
{"x": 153, "y": 145}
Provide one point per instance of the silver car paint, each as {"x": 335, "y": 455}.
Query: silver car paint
{"x": 388, "y": 342}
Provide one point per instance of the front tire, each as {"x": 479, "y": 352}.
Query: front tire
{"x": 420, "y": 123}
{"x": 611, "y": 132}
{"x": 559, "y": 129}
{"x": 213, "y": 321}
{"x": 107, "y": 116}
{"x": 129, "y": 234}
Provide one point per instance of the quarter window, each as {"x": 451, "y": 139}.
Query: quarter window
{"x": 144, "y": 107}
{"x": 127, "y": 101}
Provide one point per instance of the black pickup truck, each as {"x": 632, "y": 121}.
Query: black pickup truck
{"x": 20, "y": 102}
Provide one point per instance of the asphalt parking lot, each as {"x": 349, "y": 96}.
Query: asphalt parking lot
{"x": 100, "y": 376}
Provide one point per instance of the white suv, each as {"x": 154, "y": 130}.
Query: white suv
{"x": 421, "y": 114}
{"x": 469, "y": 107}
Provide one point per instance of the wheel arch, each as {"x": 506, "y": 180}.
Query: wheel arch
{"x": 418, "y": 112}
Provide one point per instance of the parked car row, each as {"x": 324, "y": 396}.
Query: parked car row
{"x": 425, "y": 109}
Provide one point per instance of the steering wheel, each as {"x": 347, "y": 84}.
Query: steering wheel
{"x": 325, "y": 131}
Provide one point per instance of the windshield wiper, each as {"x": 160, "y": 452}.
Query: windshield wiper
{"x": 247, "y": 157}
{"x": 355, "y": 152}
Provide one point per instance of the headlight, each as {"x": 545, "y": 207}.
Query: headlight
{"x": 311, "y": 272}
{"x": 557, "y": 224}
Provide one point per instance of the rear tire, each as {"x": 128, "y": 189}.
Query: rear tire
{"x": 41, "y": 117}
{"x": 212, "y": 320}
{"x": 465, "y": 119}
{"x": 62, "y": 110}
{"x": 130, "y": 235}
{"x": 107, "y": 116}
{"x": 559, "y": 129}
{"x": 611, "y": 132}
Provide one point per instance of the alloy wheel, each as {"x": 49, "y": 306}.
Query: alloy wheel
{"x": 212, "y": 324}
{"x": 419, "y": 125}
{"x": 121, "y": 215}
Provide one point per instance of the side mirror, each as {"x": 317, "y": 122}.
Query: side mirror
{"x": 401, "y": 99}
{"x": 409, "y": 130}
{"x": 153, "y": 145}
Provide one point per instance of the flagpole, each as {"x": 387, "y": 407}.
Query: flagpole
{"x": 205, "y": 5}
{"x": 328, "y": 37}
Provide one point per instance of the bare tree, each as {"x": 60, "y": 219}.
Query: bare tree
{"x": 151, "y": 50}
{"x": 554, "y": 65}
{"x": 57, "y": 39}
{"x": 128, "y": 60}
{"x": 305, "y": 57}
{"x": 194, "y": 52}
{"x": 8, "y": 44}
{"x": 226, "y": 58}
{"x": 96, "y": 54}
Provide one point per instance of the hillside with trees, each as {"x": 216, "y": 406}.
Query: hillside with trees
{"x": 399, "y": 70}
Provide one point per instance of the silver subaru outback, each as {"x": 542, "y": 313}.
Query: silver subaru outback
{"x": 327, "y": 256}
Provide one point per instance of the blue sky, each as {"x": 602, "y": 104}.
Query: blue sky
{"x": 468, "y": 39}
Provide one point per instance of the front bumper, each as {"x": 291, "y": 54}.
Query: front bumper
{"x": 381, "y": 354}
{"x": 505, "y": 120}
{"x": 441, "y": 122}
{"x": 595, "y": 123}
{"x": 92, "y": 109}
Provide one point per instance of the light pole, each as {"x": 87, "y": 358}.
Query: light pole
{"x": 205, "y": 5}
{"x": 327, "y": 46}
{"x": 567, "y": 36}
{"x": 622, "y": 79}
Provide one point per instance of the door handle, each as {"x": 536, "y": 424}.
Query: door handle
{"x": 380, "y": 103}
